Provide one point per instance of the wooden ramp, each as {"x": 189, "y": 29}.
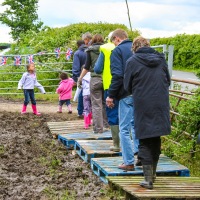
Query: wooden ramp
{"x": 88, "y": 149}
{"x": 69, "y": 139}
{"x": 105, "y": 167}
{"x": 67, "y": 127}
{"x": 164, "y": 187}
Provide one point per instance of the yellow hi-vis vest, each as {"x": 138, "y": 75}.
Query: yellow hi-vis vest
{"x": 106, "y": 49}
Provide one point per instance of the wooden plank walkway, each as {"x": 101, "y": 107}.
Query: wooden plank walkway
{"x": 88, "y": 149}
{"x": 67, "y": 127}
{"x": 104, "y": 167}
{"x": 164, "y": 187}
{"x": 69, "y": 139}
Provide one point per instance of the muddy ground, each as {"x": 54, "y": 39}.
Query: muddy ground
{"x": 35, "y": 166}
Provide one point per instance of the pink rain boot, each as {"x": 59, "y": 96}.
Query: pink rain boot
{"x": 86, "y": 122}
{"x": 69, "y": 109}
{"x": 35, "y": 112}
{"x": 59, "y": 109}
{"x": 90, "y": 119}
{"x": 23, "y": 109}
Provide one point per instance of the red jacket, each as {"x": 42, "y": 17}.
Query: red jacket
{"x": 65, "y": 89}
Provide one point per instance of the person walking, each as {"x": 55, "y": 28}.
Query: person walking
{"x": 87, "y": 101}
{"x": 102, "y": 66}
{"x": 78, "y": 63}
{"x": 27, "y": 83}
{"x": 65, "y": 92}
{"x": 96, "y": 85}
{"x": 119, "y": 56}
{"x": 147, "y": 78}
{"x": 87, "y": 38}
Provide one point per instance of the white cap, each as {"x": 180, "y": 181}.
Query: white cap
{"x": 110, "y": 35}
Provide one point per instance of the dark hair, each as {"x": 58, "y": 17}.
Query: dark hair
{"x": 97, "y": 38}
{"x": 80, "y": 42}
{"x": 64, "y": 76}
{"x": 122, "y": 34}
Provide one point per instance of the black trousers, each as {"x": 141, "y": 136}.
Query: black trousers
{"x": 149, "y": 150}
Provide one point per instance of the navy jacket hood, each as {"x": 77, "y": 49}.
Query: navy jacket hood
{"x": 151, "y": 59}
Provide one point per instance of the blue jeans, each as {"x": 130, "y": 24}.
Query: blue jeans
{"x": 126, "y": 126}
{"x": 80, "y": 103}
{"x": 67, "y": 101}
{"x": 29, "y": 94}
{"x": 112, "y": 113}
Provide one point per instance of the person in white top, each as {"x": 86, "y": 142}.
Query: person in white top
{"x": 27, "y": 83}
{"x": 87, "y": 112}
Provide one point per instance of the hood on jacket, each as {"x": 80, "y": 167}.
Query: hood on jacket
{"x": 65, "y": 81}
{"x": 83, "y": 47}
{"x": 149, "y": 57}
{"x": 94, "y": 47}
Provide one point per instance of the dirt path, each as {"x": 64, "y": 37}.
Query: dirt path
{"x": 34, "y": 166}
{"x": 41, "y": 106}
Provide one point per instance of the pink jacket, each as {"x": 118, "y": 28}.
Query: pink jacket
{"x": 65, "y": 89}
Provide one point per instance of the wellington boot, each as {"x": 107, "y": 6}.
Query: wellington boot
{"x": 35, "y": 112}
{"x": 59, "y": 109}
{"x": 69, "y": 109}
{"x": 154, "y": 170}
{"x": 23, "y": 109}
{"x": 115, "y": 137}
{"x": 86, "y": 122}
{"x": 148, "y": 177}
{"x": 90, "y": 119}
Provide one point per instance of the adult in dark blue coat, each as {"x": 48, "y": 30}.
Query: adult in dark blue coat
{"x": 119, "y": 56}
{"x": 147, "y": 78}
{"x": 78, "y": 60}
{"x": 78, "y": 63}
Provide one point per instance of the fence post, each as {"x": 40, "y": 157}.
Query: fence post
{"x": 170, "y": 58}
{"x": 165, "y": 50}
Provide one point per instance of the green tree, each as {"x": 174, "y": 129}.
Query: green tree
{"x": 21, "y": 16}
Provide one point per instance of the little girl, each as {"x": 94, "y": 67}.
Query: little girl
{"x": 86, "y": 100}
{"x": 65, "y": 92}
{"x": 28, "y": 82}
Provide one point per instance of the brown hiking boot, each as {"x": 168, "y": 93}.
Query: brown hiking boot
{"x": 126, "y": 167}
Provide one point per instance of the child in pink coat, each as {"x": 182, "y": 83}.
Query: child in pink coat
{"x": 65, "y": 92}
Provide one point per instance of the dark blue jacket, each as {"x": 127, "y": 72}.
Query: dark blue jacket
{"x": 119, "y": 57}
{"x": 78, "y": 62}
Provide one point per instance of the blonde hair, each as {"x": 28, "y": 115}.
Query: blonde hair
{"x": 139, "y": 42}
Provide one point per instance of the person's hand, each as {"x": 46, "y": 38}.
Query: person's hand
{"x": 109, "y": 102}
{"x": 79, "y": 83}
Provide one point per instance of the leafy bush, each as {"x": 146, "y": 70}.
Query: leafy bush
{"x": 186, "y": 50}
{"x": 47, "y": 40}
{"x": 181, "y": 144}
{"x": 65, "y": 37}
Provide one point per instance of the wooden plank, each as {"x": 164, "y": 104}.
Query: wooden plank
{"x": 178, "y": 96}
{"x": 103, "y": 167}
{"x": 164, "y": 187}
{"x": 186, "y": 81}
{"x": 88, "y": 149}
{"x": 68, "y": 127}
{"x": 182, "y": 92}
{"x": 69, "y": 139}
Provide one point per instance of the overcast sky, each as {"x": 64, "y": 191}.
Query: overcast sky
{"x": 153, "y": 18}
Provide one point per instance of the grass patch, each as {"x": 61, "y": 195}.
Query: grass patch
{"x": 52, "y": 194}
{"x": 2, "y": 149}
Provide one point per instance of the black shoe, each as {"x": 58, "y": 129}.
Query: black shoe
{"x": 138, "y": 163}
